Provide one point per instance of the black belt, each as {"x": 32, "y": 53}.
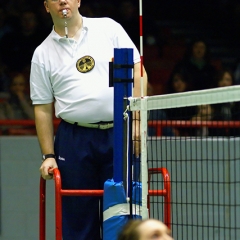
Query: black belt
{"x": 99, "y": 125}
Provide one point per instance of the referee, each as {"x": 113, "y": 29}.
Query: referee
{"x": 70, "y": 69}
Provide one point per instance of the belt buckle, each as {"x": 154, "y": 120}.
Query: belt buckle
{"x": 102, "y": 126}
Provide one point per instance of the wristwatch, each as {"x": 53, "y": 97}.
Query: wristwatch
{"x": 51, "y": 155}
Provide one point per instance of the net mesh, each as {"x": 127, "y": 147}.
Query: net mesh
{"x": 196, "y": 137}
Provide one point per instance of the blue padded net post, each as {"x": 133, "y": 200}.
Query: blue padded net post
{"x": 122, "y": 81}
{"x": 115, "y": 205}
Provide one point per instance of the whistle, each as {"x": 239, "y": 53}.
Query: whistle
{"x": 64, "y": 12}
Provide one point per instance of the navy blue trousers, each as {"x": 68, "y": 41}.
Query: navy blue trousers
{"x": 85, "y": 161}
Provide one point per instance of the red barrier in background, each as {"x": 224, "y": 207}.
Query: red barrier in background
{"x": 27, "y": 127}
{"x": 21, "y": 127}
{"x": 159, "y": 124}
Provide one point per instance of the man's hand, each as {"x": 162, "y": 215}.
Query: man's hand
{"x": 47, "y": 167}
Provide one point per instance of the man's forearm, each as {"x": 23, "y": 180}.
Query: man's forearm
{"x": 44, "y": 126}
{"x": 137, "y": 81}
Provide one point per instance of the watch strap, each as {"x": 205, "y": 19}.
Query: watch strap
{"x": 51, "y": 155}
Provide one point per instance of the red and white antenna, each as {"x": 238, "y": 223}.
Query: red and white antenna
{"x": 141, "y": 45}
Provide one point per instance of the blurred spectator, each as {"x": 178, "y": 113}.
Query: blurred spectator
{"x": 216, "y": 112}
{"x": 197, "y": 66}
{"x": 223, "y": 111}
{"x": 16, "y": 48}
{"x": 19, "y": 105}
{"x": 204, "y": 113}
{"x": 178, "y": 83}
{"x": 224, "y": 78}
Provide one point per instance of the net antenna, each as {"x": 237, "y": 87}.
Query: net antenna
{"x": 141, "y": 45}
{"x": 143, "y": 127}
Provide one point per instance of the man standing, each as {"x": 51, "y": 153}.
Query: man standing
{"x": 70, "y": 68}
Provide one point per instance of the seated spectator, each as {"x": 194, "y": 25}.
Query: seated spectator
{"x": 179, "y": 83}
{"x": 224, "y": 78}
{"x": 145, "y": 230}
{"x": 204, "y": 113}
{"x": 19, "y": 105}
{"x": 197, "y": 66}
{"x": 223, "y": 111}
{"x": 217, "y": 112}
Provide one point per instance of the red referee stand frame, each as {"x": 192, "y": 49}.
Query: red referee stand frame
{"x": 59, "y": 192}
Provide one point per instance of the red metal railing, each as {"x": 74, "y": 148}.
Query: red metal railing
{"x": 166, "y": 192}
{"x": 23, "y": 122}
{"x": 159, "y": 124}
{"x": 59, "y": 192}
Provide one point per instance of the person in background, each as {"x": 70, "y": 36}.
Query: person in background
{"x": 196, "y": 64}
{"x": 19, "y": 105}
{"x": 70, "y": 68}
{"x": 150, "y": 229}
{"x": 177, "y": 84}
{"x": 204, "y": 113}
{"x": 223, "y": 111}
{"x": 224, "y": 78}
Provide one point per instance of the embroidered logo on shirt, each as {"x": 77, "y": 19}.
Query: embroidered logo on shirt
{"x": 85, "y": 64}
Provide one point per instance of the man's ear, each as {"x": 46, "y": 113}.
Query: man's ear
{"x": 79, "y": 3}
{"x": 46, "y": 6}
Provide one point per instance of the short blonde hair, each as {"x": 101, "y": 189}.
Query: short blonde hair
{"x": 130, "y": 230}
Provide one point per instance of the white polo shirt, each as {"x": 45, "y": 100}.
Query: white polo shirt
{"x": 79, "y": 97}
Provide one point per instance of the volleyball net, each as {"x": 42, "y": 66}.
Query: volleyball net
{"x": 196, "y": 137}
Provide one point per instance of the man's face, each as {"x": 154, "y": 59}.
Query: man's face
{"x": 154, "y": 230}
{"x": 56, "y": 7}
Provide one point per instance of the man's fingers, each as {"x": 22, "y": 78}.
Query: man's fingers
{"x": 46, "y": 174}
{"x": 47, "y": 167}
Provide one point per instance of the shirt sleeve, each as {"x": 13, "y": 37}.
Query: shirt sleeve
{"x": 40, "y": 85}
